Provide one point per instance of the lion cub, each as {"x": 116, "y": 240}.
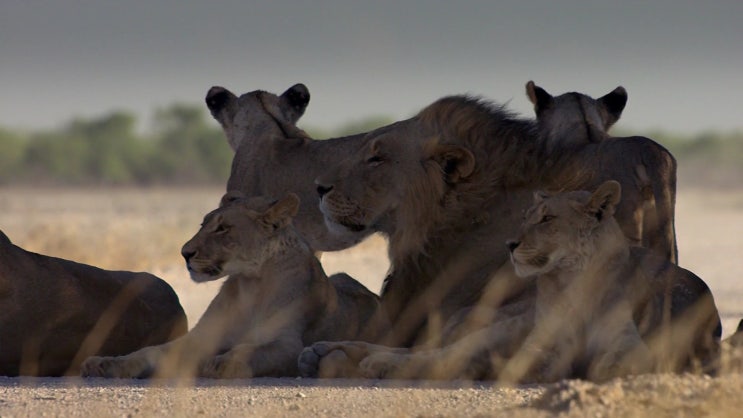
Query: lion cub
{"x": 605, "y": 309}
{"x": 276, "y": 301}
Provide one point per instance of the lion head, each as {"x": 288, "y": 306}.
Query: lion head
{"x": 239, "y": 236}
{"x": 258, "y": 112}
{"x": 392, "y": 185}
{"x": 575, "y": 118}
{"x": 273, "y": 156}
{"x": 562, "y": 232}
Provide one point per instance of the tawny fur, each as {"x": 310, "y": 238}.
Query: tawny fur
{"x": 276, "y": 300}
{"x": 273, "y": 156}
{"x": 54, "y": 313}
{"x": 448, "y": 187}
{"x": 573, "y": 120}
{"x": 605, "y": 309}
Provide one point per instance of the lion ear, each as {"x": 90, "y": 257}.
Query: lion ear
{"x": 456, "y": 162}
{"x": 218, "y": 98}
{"x": 296, "y": 98}
{"x": 604, "y": 200}
{"x": 280, "y": 213}
{"x": 538, "y": 96}
{"x": 614, "y": 103}
{"x": 230, "y": 197}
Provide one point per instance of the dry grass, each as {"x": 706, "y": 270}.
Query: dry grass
{"x": 141, "y": 230}
{"x": 144, "y": 229}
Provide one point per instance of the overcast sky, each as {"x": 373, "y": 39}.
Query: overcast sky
{"x": 681, "y": 61}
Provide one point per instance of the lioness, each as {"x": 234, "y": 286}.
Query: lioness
{"x": 448, "y": 187}
{"x": 572, "y": 120}
{"x": 273, "y": 156}
{"x": 575, "y": 118}
{"x": 276, "y": 300}
{"x": 54, "y": 313}
{"x": 605, "y": 309}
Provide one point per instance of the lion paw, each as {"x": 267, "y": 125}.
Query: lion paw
{"x": 225, "y": 366}
{"x": 332, "y": 359}
{"x": 119, "y": 367}
{"x": 309, "y": 362}
{"x": 383, "y": 365}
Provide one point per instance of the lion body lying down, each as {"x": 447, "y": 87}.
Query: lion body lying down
{"x": 574, "y": 120}
{"x": 604, "y": 309}
{"x": 448, "y": 188}
{"x": 54, "y": 313}
{"x": 276, "y": 300}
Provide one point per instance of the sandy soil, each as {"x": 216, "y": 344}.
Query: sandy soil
{"x": 643, "y": 396}
{"x": 105, "y": 228}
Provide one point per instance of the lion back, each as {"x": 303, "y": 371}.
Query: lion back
{"x": 686, "y": 299}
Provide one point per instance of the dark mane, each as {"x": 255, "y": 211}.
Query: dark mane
{"x": 506, "y": 150}
{"x": 505, "y": 145}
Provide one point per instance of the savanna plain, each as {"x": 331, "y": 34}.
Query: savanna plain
{"x": 143, "y": 230}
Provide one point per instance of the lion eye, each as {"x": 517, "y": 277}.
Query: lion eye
{"x": 221, "y": 229}
{"x": 374, "y": 160}
{"x": 546, "y": 218}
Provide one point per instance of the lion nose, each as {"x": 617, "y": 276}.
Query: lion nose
{"x": 512, "y": 245}
{"x": 187, "y": 254}
{"x": 322, "y": 189}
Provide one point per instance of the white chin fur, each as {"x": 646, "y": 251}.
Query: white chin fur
{"x": 337, "y": 229}
{"x": 201, "y": 277}
{"x": 524, "y": 270}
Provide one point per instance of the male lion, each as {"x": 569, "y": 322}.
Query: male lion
{"x": 54, "y": 313}
{"x": 276, "y": 300}
{"x": 572, "y": 120}
{"x": 274, "y": 157}
{"x": 448, "y": 188}
{"x": 605, "y": 309}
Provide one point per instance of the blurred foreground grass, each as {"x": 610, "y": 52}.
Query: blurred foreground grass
{"x": 143, "y": 229}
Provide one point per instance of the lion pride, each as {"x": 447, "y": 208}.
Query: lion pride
{"x": 274, "y": 157}
{"x": 574, "y": 120}
{"x": 447, "y": 188}
{"x": 276, "y": 299}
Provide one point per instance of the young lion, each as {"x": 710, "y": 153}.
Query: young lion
{"x": 604, "y": 309}
{"x": 276, "y": 300}
{"x": 574, "y": 118}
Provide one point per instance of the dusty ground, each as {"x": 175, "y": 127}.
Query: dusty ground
{"x": 106, "y": 228}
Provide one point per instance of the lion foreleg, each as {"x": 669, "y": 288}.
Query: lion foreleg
{"x": 619, "y": 353}
{"x": 480, "y": 354}
{"x": 178, "y": 358}
{"x": 139, "y": 364}
{"x": 339, "y": 358}
{"x": 277, "y": 358}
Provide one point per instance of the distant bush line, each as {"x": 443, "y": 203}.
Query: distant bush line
{"x": 183, "y": 147}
